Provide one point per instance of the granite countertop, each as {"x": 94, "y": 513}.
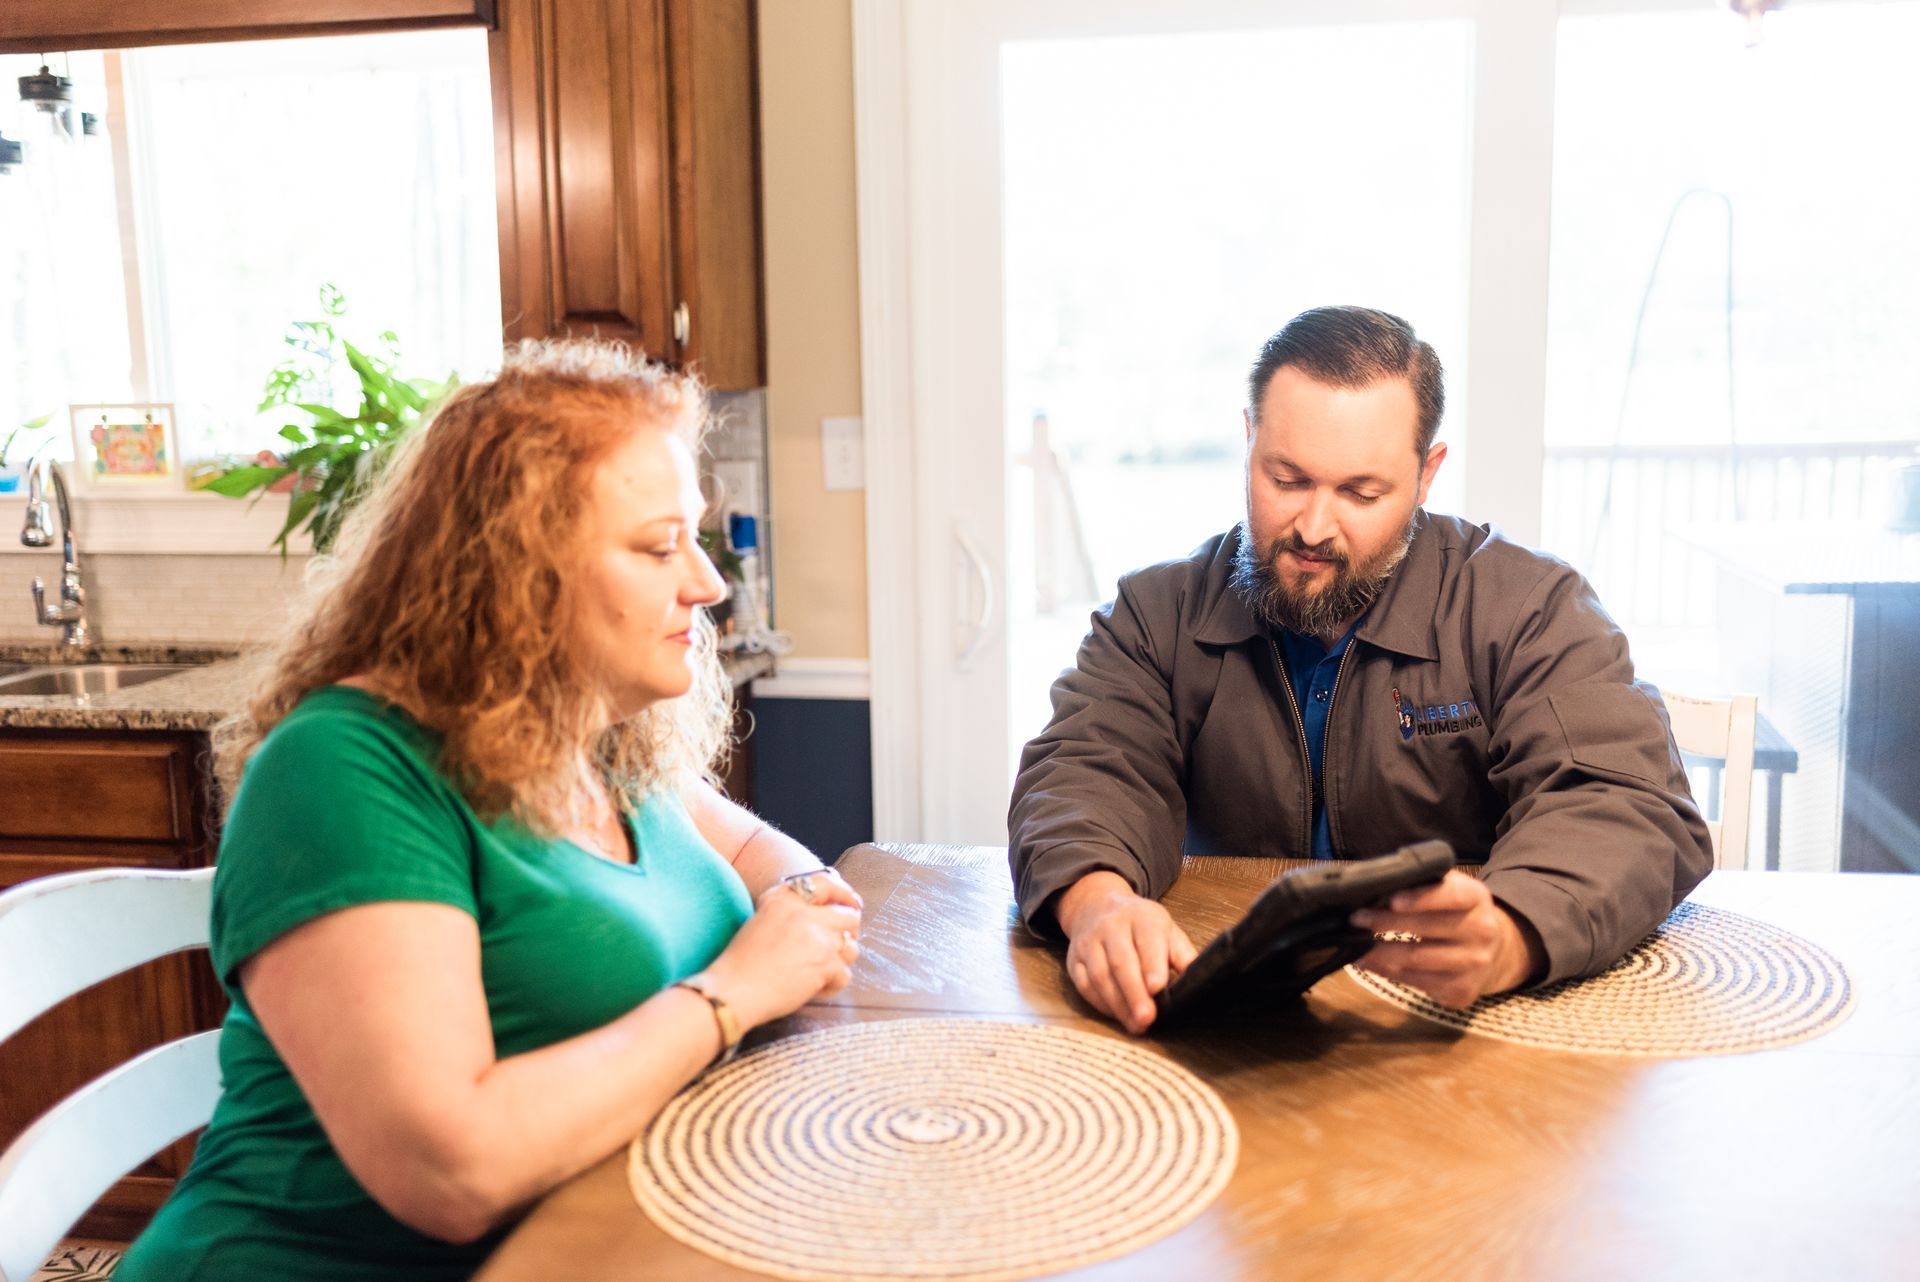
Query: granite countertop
{"x": 190, "y": 700}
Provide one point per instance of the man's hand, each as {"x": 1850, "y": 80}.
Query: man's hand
{"x": 1467, "y": 945}
{"x": 1122, "y": 948}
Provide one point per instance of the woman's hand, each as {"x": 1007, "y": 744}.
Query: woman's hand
{"x": 815, "y": 885}
{"x": 792, "y": 950}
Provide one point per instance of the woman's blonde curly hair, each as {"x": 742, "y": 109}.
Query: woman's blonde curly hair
{"x": 451, "y": 589}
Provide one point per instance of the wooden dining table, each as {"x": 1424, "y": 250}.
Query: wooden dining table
{"x": 1375, "y": 1144}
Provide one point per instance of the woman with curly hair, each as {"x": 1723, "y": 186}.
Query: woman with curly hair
{"x": 478, "y": 907}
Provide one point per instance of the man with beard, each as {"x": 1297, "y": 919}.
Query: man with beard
{"x": 1344, "y": 673}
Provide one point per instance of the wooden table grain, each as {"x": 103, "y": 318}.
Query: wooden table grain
{"x": 1375, "y": 1145}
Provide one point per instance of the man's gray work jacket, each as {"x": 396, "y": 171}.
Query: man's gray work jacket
{"x": 1486, "y": 700}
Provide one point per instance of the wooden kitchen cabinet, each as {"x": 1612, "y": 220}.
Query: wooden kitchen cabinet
{"x": 47, "y": 26}
{"x": 75, "y": 800}
{"x": 626, "y": 151}
{"x": 626, "y": 157}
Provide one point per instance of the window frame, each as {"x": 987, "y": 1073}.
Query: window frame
{"x": 38, "y": 26}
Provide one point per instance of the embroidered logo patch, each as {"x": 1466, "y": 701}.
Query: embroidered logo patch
{"x": 1434, "y": 718}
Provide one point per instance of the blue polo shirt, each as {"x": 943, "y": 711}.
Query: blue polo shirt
{"x": 1312, "y": 668}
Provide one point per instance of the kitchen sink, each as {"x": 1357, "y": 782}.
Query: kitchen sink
{"x": 86, "y": 678}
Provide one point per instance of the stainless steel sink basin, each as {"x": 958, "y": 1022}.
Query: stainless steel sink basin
{"x": 86, "y": 678}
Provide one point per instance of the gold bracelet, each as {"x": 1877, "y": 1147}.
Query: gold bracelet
{"x": 723, "y": 1016}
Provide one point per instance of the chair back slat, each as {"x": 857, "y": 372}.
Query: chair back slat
{"x": 62, "y": 934}
{"x": 76, "y": 1150}
{"x": 1722, "y": 730}
{"x": 58, "y": 936}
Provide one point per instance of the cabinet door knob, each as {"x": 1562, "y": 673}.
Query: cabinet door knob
{"x": 682, "y": 324}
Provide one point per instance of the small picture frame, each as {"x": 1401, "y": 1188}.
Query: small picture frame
{"x": 125, "y": 447}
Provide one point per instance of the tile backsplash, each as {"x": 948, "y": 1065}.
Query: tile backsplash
{"x": 227, "y": 600}
{"x": 243, "y": 599}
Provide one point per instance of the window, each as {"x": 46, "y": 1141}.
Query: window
{"x": 63, "y": 307}
{"x": 249, "y": 175}
{"x": 1146, "y": 259}
{"x": 1734, "y": 306}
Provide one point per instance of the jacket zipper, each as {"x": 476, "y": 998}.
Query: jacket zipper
{"x": 1326, "y": 752}
{"x": 1300, "y": 729}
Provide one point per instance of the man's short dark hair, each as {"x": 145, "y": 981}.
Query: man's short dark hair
{"x": 1355, "y": 347}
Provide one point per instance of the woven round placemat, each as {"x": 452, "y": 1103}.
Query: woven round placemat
{"x": 1706, "y": 982}
{"x": 934, "y": 1148}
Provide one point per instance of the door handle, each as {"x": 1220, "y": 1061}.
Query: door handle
{"x": 983, "y": 617}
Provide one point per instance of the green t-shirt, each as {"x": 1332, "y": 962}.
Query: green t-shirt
{"x": 342, "y": 805}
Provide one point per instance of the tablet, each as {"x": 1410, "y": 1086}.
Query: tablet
{"x": 1295, "y": 933}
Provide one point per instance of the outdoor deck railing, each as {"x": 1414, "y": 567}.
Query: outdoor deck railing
{"x": 1616, "y": 513}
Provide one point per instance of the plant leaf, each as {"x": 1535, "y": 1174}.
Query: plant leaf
{"x": 406, "y": 394}
{"x": 297, "y": 512}
{"x": 307, "y": 458}
{"x": 324, "y": 415}
{"x": 376, "y": 385}
{"x": 238, "y": 482}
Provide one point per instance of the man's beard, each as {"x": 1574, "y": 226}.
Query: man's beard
{"x": 1283, "y": 601}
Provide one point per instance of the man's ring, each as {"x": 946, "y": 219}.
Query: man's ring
{"x": 1395, "y": 937}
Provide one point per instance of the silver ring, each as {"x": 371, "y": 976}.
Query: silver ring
{"x": 803, "y": 886}
{"x": 1396, "y": 937}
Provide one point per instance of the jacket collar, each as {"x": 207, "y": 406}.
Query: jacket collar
{"x": 1401, "y": 619}
{"x": 1224, "y": 617}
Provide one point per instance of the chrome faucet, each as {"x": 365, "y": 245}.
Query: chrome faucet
{"x": 71, "y": 614}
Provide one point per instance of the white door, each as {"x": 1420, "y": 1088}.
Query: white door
{"x": 1079, "y": 219}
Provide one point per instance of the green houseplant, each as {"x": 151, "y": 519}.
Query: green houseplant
{"x": 337, "y": 451}
{"x": 724, "y": 558}
{"x": 727, "y": 561}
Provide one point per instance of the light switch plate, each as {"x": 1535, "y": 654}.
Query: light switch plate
{"x": 843, "y": 453}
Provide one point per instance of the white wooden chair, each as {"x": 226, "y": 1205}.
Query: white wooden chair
{"x": 59, "y": 935}
{"x": 1722, "y": 730}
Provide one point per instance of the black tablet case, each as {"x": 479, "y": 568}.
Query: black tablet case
{"x": 1295, "y": 933}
